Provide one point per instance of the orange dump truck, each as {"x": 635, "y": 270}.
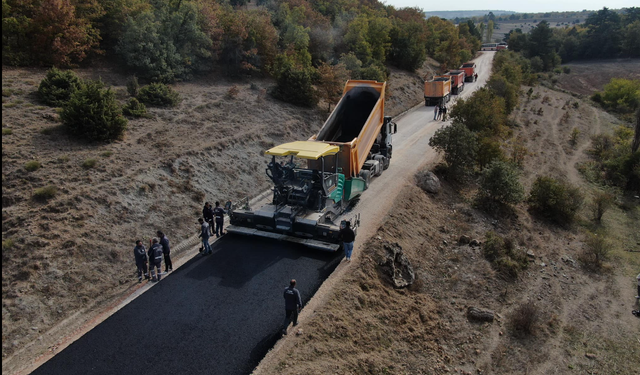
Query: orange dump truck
{"x": 457, "y": 80}
{"x": 470, "y": 71}
{"x": 437, "y": 91}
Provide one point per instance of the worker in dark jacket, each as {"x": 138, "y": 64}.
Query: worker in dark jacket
{"x": 166, "y": 251}
{"x": 219, "y": 214}
{"x": 140, "y": 254}
{"x": 347, "y": 236}
{"x": 155, "y": 260}
{"x": 292, "y": 305}
{"x": 207, "y": 214}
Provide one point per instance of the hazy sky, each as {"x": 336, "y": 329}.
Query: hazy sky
{"x": 516, "y": 6}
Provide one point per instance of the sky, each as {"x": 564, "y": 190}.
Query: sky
{"x": 516, "y": 6}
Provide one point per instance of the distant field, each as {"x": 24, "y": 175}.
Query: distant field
{"x": 503, "y": 27}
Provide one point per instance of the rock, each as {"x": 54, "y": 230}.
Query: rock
{"x": 463, "y": 240}
{"x": 428, "y": 182}
{"x": 444, "y": 242}
{"x": 479, "y": 315}
{"x": 590, "y": 356}
{"x": 543, "y": 264}
{"x": 530, "y": 254}
{"x": 474, "y": 242}
{"x": 397, "y": 266}
{"x": 299, "y": 332}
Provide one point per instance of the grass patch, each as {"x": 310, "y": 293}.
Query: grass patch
{"x": 32, "y": 165}
{"x": 89, "y": 163}
{"x": 7, "y": 131}
{"x": 63, "y": 159}
{"x": 10, "y": 105}
{"x": 7, "y": 92}
{"x": 49, "y": 130}
{"x": 7, "y": 244}
{"x": 45, "y": 193}
{"x": 106, "y": 154}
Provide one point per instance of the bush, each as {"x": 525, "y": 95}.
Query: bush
{"x": 45, "y": 193}
{"x": 596, "y": 251}
{"x": 500, "y": 183}
{"x": 93, "y": 114}
{"x": 505, "y": 257}
{"x": 294, "y": 83}
{"x": 459, "y": 145}
{"x": 134, "y": 108}
{"x": 601, "y": 203}
{"x": 233, "y": 92}
{"x": 159, "y": 95}
{"x": 575, "y": 133}
{"x": 566, "y": 70}
{"x": 622, "y": 95}
{"x": 555, "y": 200}
{"x": 133, "y": 87}
{"x": 89, "y": 163}
{"x": 7, "y": 131}
{"x": 32, "y": 165}
{"x": 7, "y": 244}
{"x": 524, "y": 318}
{"x": 58, "y": 86}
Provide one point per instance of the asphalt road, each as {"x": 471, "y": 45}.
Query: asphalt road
{"x": 218, "y": 314}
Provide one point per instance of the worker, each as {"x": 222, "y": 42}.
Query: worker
{"x": 475, "y": 76}
{"x": 207, "y": 214}
{"x": 435, "y": 112}
{"x": 292, "y": 305}
{"x": 638, "y": 279}
{"x": 155, "y": 260}
{"x": 166, "y": 251}
{"x": 444, "y": 113}
{"x": 204, "y": 234}
{"x": 140, "y": 254}
{"x": 219, "y": 212}
{"x": 347, "y": 236}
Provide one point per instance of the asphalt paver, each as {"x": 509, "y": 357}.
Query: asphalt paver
{"x": 217, "y": 314}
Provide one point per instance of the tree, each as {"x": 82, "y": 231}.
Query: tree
{"x": 540, "y": 44}
{"x": 500, "y": 183}
{"x": 459, "y": 146}
{"x": 482, "y": 112}
{"x": 93, "y": 114}
{"x": 58, "y": 86}
{"x": 621, "y": 95}
{"x": 603, "y": 34}
{"x": 294, "y": 82}
{"x": 556, "y": 200}
{"x": 331, "y": 81}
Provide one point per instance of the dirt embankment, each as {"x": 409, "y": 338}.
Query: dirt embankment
{"x": 73, "y": 252}
{"x": 584, "y": 322}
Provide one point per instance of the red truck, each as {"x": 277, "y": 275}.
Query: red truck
{"x": 457, "y": 80}
{"x": 470, "y": 71}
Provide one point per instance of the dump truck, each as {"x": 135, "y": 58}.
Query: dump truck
{"x": 317, "y": 180}
{"x": 437, "y": 91}
{"x": 470, "y": 71}
{"x": 457, "y": 81}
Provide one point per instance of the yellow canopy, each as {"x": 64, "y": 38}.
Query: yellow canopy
{"x": 304, "y": 149}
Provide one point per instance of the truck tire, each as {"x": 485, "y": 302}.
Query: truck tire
{"x": 366, "y": 176}
{"x": 383, "y": 161}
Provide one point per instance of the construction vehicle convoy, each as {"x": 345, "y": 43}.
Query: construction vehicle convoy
{"x": 317, "y": 180}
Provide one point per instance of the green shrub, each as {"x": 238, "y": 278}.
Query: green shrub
{"x": 134, "y": 108}
{"x": 601, "y": 203}
{"x": 504, "y": 256}
{"x": 93, "y": 113}
{"x": 7, "y": 131}
{"x": 106, "y": 154}
{"x": 500, "y": 183}
{"x": 32, "y": 165}
{"x": 459, "y": 145}
{"x": 159, "y": 95}
{"x": 555, "y": 200}
{"x": 58, "y": 86}
{"x": 89, "y": 163}
{"x": 622, "y": 95}
{"x": 133, "y": 87}
{"x": 566, "y": 70}
{"x": 45, "y": 193}
{"x": 596, "y": 251}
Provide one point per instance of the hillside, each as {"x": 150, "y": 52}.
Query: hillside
{"x": 69, "y": 258}
{"x": 584, "y": 322}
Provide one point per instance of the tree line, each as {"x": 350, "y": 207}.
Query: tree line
{"x": 604, "y": 34}
{"x": 166, "y": 41}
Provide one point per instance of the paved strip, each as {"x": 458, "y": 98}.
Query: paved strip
{"x": 217, "y": 314}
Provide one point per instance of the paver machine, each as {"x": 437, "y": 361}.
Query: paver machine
{"x": 316, "y": 181}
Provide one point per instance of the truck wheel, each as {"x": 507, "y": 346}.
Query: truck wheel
{"x": 382, "y": 161}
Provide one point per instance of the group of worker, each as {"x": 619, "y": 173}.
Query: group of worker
{"x": 158, "y": 249}
{"x": 440, "y": 112}
{"x": 210, "y": 217}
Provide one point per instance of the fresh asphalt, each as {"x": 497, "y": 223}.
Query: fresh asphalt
{"x": 217, "y": 314}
